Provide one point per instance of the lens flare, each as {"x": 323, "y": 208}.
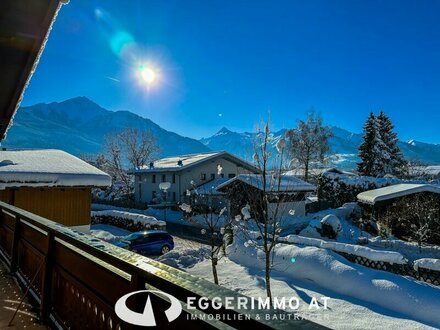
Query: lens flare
{"x": 148, "y": 75}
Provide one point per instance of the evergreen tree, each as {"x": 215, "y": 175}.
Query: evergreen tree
{"x": 373, "y": 151}
{"x": 396, "y": 164}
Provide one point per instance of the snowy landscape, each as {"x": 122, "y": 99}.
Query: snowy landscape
{"x": 285, "y": 154}
{"x": 307, "y": 267}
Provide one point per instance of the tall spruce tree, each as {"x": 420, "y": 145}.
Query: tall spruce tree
{"x": 379, "y": 152}
{"x": 396, "y": 164}
{"x": 373, "y": 151}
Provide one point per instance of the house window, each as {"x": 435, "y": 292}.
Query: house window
{"x": 153, "y": 180}
{"x": 203, "y": 176}
{"x": 222, "y": 175}
{"x": 140, "y": 192}
{"x": 231, "y": 175}
{"x": 153, "y": 194}
{"x": 164, "y": 177}
{"x": 212, "y": 176}
{"x": 174, "y": 178}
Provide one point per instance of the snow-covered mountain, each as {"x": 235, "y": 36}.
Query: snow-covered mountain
{"x": 79, "y": 125}
{"x": 344, "y": 146}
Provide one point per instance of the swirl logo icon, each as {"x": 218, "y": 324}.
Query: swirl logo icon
{"x": 146, "y": 318}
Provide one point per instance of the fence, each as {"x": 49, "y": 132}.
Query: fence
{"x": 422, "y": 274}
{"x": 78, "y": 279}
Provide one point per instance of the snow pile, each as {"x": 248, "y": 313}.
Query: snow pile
{"x": 346, "y": 211}
{"x": 104, "y": 235}
{"x": 427, "y": 263}
{"x": 330, "y": 271}
{"x": 410, "y": 250}
{"x": 108, "y": 233}
{"x": 361, "y": 251}
{"x": 171, "y": 216}
{"x": 332, "y": 221}
{"x": 136, "y": 218}
{"x": 360, "y": 181}
{"x": 184, "y": 258}
{"x": 310, "y": 231}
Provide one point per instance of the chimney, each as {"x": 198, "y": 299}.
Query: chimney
{"x": 179, "y": 162}
{"x": 151, "y": 164}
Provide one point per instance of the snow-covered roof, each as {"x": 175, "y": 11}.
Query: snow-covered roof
{"x": 318, "y": 171}
{"x": 183, "y": 162}
{"x": 48, "y": 168}
{"x": 433, "y": 170}
{"x": 287, "y": 183}
{"x": 210, "y": 188}
{"x": 395, "y": 191}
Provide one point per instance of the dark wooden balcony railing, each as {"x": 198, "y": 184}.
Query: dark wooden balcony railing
{"x": 78, "y": 278}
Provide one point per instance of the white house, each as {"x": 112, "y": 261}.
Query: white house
{"x": 185, "y": 172}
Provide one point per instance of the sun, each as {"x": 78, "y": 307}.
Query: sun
{"x": 148, "y": 74}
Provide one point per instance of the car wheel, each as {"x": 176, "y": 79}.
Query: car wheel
{"x": 165, "y": 249}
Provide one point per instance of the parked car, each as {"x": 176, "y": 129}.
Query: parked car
{"x": 147, "y": 242}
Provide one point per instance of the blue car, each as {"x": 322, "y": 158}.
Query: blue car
{"x": 147, "y": 242}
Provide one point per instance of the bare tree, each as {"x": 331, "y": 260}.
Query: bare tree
{"x": 214, "y": 226}
{"x": 138, "y": 146}
{"x": 113, "y": 150}
{"x": 416, "y": 217}
{"x": 215, "y": 223}
{"x": 308, "y": 142}
{"x": 129, "y": 148}
{"x": 259, "y": 220}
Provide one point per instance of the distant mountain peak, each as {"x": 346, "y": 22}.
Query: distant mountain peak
{"x": 223, "y": 131}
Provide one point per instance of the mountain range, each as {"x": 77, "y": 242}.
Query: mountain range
{"x": 79, "y": 126}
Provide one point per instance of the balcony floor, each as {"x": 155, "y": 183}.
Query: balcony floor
{"x": 10, "y": 295}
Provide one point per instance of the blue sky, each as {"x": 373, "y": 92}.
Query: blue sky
{"x": 229, "y": 63}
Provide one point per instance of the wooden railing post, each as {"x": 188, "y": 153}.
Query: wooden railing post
{"x": 15, "y": 241}
{"x": 46, "y": 290}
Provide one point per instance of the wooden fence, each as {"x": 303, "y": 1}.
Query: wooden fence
{"x": 78, "y": 279}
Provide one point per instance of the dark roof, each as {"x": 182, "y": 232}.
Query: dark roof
{"x": 24, "y": 28}
{"x": 288, "y": 183}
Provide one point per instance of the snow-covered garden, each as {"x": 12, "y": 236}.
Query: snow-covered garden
{"x": 308, "y": 265}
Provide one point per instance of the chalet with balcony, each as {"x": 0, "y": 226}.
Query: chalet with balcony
{"x": 185, "y": 172}
{"x": 286, "y": 195}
